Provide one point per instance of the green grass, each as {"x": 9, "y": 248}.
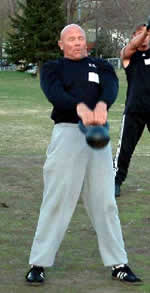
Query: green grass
{"x": 25, "y": 130}
{"x": 24, "y": 115}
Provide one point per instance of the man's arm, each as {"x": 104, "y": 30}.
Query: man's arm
{"x": 53, "y": 88}
{"x": 127, "y": 52}
{"x": 109, "y": 90}
{"x": 98, "y": 116}
{"x": 109, "y": 85}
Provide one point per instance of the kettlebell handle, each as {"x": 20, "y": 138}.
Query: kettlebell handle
{"x": 84, "y": 129}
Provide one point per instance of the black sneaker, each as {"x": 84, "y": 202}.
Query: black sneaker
{"x": 124, "y": 273}
{"x": 36, "y": 275}
{"x": 117, "y": 189}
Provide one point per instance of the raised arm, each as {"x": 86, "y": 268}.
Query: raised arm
{"x": 137, "y": 42}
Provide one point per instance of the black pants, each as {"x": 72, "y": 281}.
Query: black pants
{"x": 132, "y": 127}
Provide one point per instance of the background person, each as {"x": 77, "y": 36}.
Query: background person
{"x": 79, "y": 87}
{"x": 136, "y": 62}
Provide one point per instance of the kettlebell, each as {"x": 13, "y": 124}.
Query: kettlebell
{"x": 97, "y": 136}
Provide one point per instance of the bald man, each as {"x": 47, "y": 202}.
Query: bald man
{"x": 79, "y": 88}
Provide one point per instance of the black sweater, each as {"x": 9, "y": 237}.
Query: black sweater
{"x": 67, "y": 82}
{"x": 138, "y": 78}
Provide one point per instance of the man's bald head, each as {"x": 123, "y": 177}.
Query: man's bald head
{"x": 73, "y": 42}
{"x": 69, "y": 27}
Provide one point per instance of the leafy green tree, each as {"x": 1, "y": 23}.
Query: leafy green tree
{"x": 35, "y": 33}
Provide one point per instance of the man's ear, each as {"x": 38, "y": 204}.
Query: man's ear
{"x": 60, "y": 44}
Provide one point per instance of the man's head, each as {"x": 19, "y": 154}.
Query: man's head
{"x": 73, "y": 42}
{"x": 146, "y": 43}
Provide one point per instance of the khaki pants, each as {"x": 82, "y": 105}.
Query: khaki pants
{"x": 72, "y": 169}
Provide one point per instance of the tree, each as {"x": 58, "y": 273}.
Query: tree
{"x": 78, "y": 11}
{"x": 36, "y": 30}
{"x": 109, "y": 44}
{"x": 70, "y": 6}
{"x": 119, "y": 15}
{"x": 113, "y": 15}
{"x": 7, "y": 7}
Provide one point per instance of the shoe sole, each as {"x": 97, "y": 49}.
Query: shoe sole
{"x": 128, "y": 283}
{"x": 35, "y": 284}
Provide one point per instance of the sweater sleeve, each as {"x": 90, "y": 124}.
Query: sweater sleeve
{"x": 53, "y": 88}
{"x": 109, "y": 83}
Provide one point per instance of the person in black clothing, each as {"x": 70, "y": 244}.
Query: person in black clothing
{"x": 136, "y": 62}
{"x": 79, "y": 87}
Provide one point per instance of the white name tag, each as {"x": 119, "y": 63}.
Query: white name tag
{"x": 147, "y": 61}
{"x": 93, "y": 77}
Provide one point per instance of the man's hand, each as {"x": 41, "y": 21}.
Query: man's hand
{"x": 98, "y": 116}
{"x": 100, "y": 113}
{"x": 86, "y": 115}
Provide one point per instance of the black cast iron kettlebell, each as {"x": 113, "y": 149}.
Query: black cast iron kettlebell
{"x": 97, "y": 136}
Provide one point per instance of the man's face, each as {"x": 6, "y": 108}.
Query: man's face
{"x": 146, "y": 43}
{"x": 73, "y": 43}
